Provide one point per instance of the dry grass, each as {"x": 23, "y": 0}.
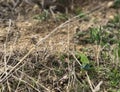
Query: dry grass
{"x": 40, "y": 56}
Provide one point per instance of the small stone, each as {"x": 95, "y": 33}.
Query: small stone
{"x": 110, "y": 4}
{"x": 111, "y": 17}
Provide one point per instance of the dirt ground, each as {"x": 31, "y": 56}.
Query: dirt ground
{"x": 44, "y": 41}
{"x": 29, "y": 30}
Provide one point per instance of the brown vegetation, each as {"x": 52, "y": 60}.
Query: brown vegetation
{"x": 45, "y": 52}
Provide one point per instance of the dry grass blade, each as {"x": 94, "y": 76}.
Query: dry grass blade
{"x": 27, "y": 84}
{"x": 97, "y": 88}
{"x": 89, "y": 81}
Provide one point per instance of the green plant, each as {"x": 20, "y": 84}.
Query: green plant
{"x": 84, "y": 61}
{"x": 116, "y": 53}
{"x": 79, "y": 12}
{"x": 116, "y": 4}
{"x": 61, "y": 16}
{"x": 114, "y": 77}
{"x": 95, "y": 35}
{"x": 43, "y": 16}
{"x": 116, "y": 19}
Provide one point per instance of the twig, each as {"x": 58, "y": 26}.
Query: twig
{"x": 89, "y": 81}
{"x": 76, "y": 58}
{"x": 96, "y": 88}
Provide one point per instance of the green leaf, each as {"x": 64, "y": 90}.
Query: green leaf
{"x": 119, "y": 52}
{"x": 116, "y": 3}
{"x": 84, "y": 59}
{"x": 95, "y": 34}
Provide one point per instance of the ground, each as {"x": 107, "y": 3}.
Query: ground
{"x": 74, "y": 52}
